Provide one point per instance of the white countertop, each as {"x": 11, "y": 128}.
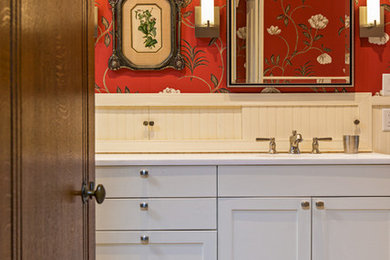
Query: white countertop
{"x": 241, "y": 159}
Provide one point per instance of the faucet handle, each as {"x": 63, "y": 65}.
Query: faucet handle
{"x": 316, "y": 146}
{"x": 272, "y": 143}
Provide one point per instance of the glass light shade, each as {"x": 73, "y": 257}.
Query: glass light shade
{"x": 207, "y": 7}
{"x": 373, "y": 12}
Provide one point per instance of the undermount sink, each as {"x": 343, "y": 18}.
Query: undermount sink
{"x": 241, "y": 159}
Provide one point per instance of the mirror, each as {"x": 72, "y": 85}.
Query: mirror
{"x": 290, "y": 43}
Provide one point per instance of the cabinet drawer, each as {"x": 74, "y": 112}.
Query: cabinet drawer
{"x": 161, "y": 214}
{"x": 160, "y": 181}
{"x": 162, "y": 245}
{"x": 310, "y": 180}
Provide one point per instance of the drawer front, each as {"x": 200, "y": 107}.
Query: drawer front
{"x": 310, "y": 180}
{"x": 162, "y": 245}
{"x": 160, "y": 214}
{"x": 160, "y": 181}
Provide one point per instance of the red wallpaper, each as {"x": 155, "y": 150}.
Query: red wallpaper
{"x": 312, "y": 39}
{"x": 205, "y": 70}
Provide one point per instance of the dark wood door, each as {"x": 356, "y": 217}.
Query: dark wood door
{"x": 46, "y": 129}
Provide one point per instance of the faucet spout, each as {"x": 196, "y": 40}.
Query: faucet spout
{"x": 295, "y": 139}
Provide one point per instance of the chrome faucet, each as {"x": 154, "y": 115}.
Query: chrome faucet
{"x": 295, "y": 139}
{"x": 272, "y": 144}
{"x": 316, "y": 145}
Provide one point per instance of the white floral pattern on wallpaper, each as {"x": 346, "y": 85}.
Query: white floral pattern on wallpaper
{"x": 169, "y": 90}
{"x": 241, "y": 33}
{"x": 324, "y": 59}
{"x": 379, "y": 40}
{"x": 311, "y": 32}
{"x": 318, "y": 22}
{"x": 274, "y": 30}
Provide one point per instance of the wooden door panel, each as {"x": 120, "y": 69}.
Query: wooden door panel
{"x": 52, "y": 97}
{"x": 52, "y": 128}
{"x": 5, "y": 132}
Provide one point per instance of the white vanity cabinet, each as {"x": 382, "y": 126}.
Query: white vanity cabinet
{"x": 288, "y": 219}
{"x": 244, "y": 207}
{"x": 157, "y": 213}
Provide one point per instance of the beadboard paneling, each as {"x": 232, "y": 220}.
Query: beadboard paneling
{"x": 122, "y": 123}
{"x": 196, "y": 123}
{"x": 310, "y": 121}
{"x": 228, "y": 122}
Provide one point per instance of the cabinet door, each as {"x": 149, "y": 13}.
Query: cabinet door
{"x": 351, "y": 229}
{"x": 196, "y": 123}
{"x": 121, "y": 124}
{"x": 272, "y": 228}
{"x": 180, "y": 245}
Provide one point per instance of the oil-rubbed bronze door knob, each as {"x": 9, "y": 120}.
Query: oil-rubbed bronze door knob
{"x": 305, "y": 204}
{"x": 89, "y": 192}
{"x": 320, "y": 205}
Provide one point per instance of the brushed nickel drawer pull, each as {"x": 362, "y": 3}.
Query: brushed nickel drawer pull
{"x": 145, "y": 240}
{"x": 144, "y": 173}
{"x": 144, "y": 206}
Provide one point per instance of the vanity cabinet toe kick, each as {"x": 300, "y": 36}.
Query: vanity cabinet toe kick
{"x": 244, "y": 211}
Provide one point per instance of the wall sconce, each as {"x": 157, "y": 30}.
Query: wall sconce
{"x": 206, "y": 20}
{"x": 372, "y": 19}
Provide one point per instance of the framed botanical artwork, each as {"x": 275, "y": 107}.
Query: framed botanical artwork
{"x": 146, "y": 34}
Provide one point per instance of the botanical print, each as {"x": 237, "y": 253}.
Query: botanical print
{"x": 147, "y": 25}
{"x": 146, "y": 28}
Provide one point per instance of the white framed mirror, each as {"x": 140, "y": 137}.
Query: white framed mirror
{"x": 290, "y": 43}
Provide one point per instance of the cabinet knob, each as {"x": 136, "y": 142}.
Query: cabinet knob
{"x": 150, "y": 123}
{"x": 145, "y": 240}
{"x": 144, "y": 173}
{"x": 305, "y": 205}
{"x": 144, "y": 206}
{"x": 320, "y": 205}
